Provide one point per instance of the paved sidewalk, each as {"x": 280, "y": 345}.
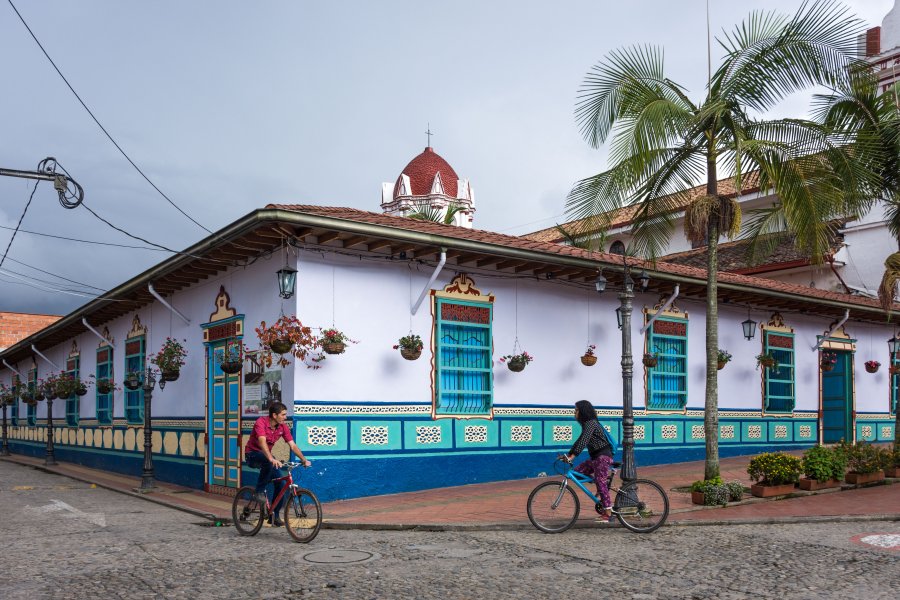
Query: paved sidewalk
{"x": 501, "y": 505}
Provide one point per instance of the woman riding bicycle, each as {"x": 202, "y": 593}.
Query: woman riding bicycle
{"x": 594, "y": 438}
{"x": 258, "y": 453}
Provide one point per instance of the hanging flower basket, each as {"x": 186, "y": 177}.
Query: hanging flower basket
{"x": 872, "y": 366}
{"x": 80, "y": 389}
{"x": 410, "y": 346}
{"x": 827, "y": 361}
{"x": 171, "y": 375}
{"x": 650, "y": 360}
{"x": 334, "y": 341}
{"x": 894, "y": 369}
{"x": 132, "y": 381}
{"x": 170, "y": 359}
{"x": 104, "y": 386}
{"x": 767, "y": 361}
{"x": 723, "y": 359}
{"x": 334, "y": 347}
{"x": 281, "y": 346}
{"x": 231, "y": 366}
{"x": 588, "y": 359}
{"x": 517, "y": 362}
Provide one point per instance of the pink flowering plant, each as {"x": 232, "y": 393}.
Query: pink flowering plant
{"x": 872, "y": 365}
{"x": 524, "y": 357}
{"x": 829, "y": 359}
{"x": 410, "y": 342}
{"x": 335, "y": 336}
{"x": 288, "y": 329}
{"x": 590, "y": 350}
{"x": 171, "y": 356}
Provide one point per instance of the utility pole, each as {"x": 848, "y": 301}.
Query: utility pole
{"x": 70, "y": 193}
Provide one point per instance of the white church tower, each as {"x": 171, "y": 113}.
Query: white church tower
{"x": 429, "y": 185}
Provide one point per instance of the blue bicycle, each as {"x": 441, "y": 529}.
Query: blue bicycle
{"x": 640, "y": 505}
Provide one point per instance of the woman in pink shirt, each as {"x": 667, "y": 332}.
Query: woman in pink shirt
{"x": 258, "y": 453}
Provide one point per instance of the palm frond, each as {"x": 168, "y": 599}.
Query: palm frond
{"x": 888, "y": 288}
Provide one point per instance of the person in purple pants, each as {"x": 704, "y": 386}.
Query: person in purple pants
{"x": 600, "y": 450}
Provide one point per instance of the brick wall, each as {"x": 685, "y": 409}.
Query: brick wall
{"x": 17, "y": 326}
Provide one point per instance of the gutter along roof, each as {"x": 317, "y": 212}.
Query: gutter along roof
{"x": 470, "y": 250}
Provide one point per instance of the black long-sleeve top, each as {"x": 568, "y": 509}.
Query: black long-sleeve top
{"x": 593, "y": 439}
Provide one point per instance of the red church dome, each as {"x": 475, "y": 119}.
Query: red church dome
{"x": 421, "y": 171}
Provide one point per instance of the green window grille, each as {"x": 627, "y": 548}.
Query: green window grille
{"x": 73, "y": 404}
{"x": 135, "y": 355}
{"x": 778, "y": 384}
{"x": 464, "y": 379}
{"x": 667, "y": 381}
{"x": 895, "y": 383}
{"x": 31, "y": 407}
{"x": 104, "y": 370}
{"x": 14, "y": 409}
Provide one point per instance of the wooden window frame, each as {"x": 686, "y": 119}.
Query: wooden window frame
{"x": 655, "y": 342}
{"x": 135, "y": 361}
{"x": 103, "y": 410}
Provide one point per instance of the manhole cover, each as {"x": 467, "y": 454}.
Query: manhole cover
{"x": 338, "y": 556}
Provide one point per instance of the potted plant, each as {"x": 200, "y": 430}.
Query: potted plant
{"x": 715, "y": 492}
{"x": 170, "y": 359}
{"x": 48, "y": 386}
{"x": 286, "y": 336}
{"x": 724, "y": 358}
{"x": 775, "y": 474}
{"x": 872, "y": 366}
{"x": 67, "y": 385}
{"x": 105, "y": 385}
{"x": 827, "y": 361}
{"x": 410, "y": 346}
{"x": 36, "y": 392}
{"x": 823, "y": 468}
{"x": 588, "y": 359}
{"x": 767, "y": 360}
{"x": 334, "y": 341}
{"x": 133, "y": 380}
{"x": 891, "y": 461}
{"x": 517, "y": 362}
{"x": 650, "y": 359}
{"x": 864, "y": 461}
{"x": 233, "y": 359}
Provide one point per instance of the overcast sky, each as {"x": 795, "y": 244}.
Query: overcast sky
{"x": 228, "y": 106}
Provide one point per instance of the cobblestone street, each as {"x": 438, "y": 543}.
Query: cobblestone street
{"x": 65, "y": 539}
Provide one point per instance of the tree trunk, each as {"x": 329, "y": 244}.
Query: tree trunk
{"x": 711, "y": 407}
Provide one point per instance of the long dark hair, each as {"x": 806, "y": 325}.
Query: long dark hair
{"x": 586, "y": 411}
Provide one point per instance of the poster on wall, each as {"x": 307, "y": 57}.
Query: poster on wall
{"x": 262, "y": 386}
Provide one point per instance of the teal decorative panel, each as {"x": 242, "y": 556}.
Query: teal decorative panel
{"x": 561, "y": 433}
{"x": 806, "y": 431}
{"x": 866, "y": 432}
{"x": 520, "y": 433}
{"x": 425, "y": 435}
{"x": 375, "y": 435}
{"x": 754, "y": 433}
{"x": 780, "y": 431}
{"x": 885, "y": 431}
{"x": 477, "y": 433}
{"x": 321, "y": 436}
{"x": 668, "y": 433}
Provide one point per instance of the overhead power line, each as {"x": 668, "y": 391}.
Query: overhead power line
{"x": 62, "y": 237}
{"x": 16, "y": 230}
{"x": 97, "y": 121}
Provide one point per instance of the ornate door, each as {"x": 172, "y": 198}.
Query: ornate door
{"x": 223, "y": 421}
{"x": 837, "y": 401}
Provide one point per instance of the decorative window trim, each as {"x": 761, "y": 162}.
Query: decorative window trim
{"x": 461, "y": 292}
{"x": 31, "y": 409}
{"x": 73, "y": 404}
{"x": 134, "y": 400}
{"x": 103, "y": 403}
{"x": 14, "y": 407}
{"x": 780, "y": 338}
{"x": 673, "y": 319}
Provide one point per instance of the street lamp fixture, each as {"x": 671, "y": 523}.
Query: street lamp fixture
{"x": 894, "y": 345}
{"x": 148, "y": 480}
{"x": 644, "y": 279}
{"x": 600, "y": 283}
{"x": 287, "y": 281}
{"x": 749, "y": 327}
{"x": 619, "y": 316}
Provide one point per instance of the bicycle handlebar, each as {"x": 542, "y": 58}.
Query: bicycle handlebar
{"x": 291, "y": 465}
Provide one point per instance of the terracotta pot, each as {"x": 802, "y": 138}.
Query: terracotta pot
{"x": 871, "y": 369}
{"x": 334, "y": 347}
{"x": 516, "y": 365}
{"x": 811, "y": 485}
{"x": 721, "y": 365}
{"x": 281, "y": 346}
{"x": 650, "y": 361}
{"x": 766, "y": 363}
{"x": 827, "y": 367}
{"x": 410, "y": 353}
{"x": 589, "y": 360}
{"x": 893, "y": 472}
{"x": 767, "y": 491}
{"x": 864, "y": 478}
{"x": 698, "y": 498}
{"x": 171, "y": 375}
{"x": 231, "y": 366}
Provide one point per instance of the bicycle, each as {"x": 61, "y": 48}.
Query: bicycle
{"x": 302, "y": 510}
{"x": 640, "y": 505}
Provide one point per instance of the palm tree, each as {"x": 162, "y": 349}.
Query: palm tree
{"x": 426, "y": 212}
{"x": 662, "y": 144}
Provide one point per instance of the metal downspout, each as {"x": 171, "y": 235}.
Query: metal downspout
{"x": 84, "y": 322}
{"x": 156, "y": 295}
{"x": 832, "y": 330}
{"x": 437, "y": 271}
{"x": 38, "y": 352}
{"x": 664, "y": 307}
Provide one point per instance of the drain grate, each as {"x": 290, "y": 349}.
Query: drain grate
{"x": 338, "y": 556}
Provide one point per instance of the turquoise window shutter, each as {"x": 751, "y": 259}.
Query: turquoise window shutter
{"x": 667, "y": 381}
{"x": 104, "y": 371}
{"x": 14, "y": 409}
{"x": 135, "y": 354}
{"x": 464, "y": 377}
{"x": 895, "y": 382}
{"x": 72, "y": 402}
{"x": 31, "y": 409}
{"x": 779, "y": 384}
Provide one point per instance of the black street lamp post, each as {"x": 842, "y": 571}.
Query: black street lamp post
{"x": 4, "y": 451}
{"x": 623, "y": 316}
{"x": 50, "y": 459}
{"x": 147, "y": 477}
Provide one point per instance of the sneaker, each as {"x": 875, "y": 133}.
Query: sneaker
{"x": 275, "y": 521}
{"x": 604, "y": 520}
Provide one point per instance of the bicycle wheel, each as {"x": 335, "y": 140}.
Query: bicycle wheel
{"x": 641, "y": 505}
{"x": 246, "y": 511}
{"x": 302, "y": 515}
{"x": 553, "y": 507}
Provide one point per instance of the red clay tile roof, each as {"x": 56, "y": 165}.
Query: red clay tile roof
{"x": 421, "y": 171}
{"x": 509, "y": 241}
{"x": 625, "y": 215}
